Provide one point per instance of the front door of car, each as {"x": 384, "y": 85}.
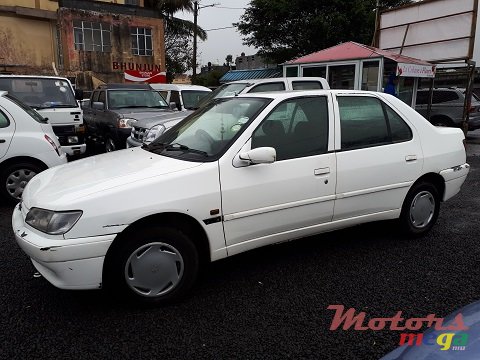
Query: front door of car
{"x": 291, "y": 197}
{"x": 7, "y": 128}
{"x": 379, "y": 156}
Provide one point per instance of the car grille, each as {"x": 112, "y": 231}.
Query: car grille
{"x": 138, "y": 133}
{"x": 64, "y": 130}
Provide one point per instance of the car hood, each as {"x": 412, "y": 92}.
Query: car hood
{"x": 168, "y": 119}
{"x": 143, "y": 113}
{"x": 59, "y": 187}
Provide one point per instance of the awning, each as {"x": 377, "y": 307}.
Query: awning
{"x": 234, "y": 75}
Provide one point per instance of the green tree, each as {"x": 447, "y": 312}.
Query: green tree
{"x": 178, "y": 34}
{"x": 229, "y": 59}
{"x": 286, "y": 29}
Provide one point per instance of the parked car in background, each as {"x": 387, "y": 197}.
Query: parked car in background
{"x": 242, "y": 172}
{"x": 28, "y": 146}
{"x": 447, "y": 107}
{"x": 266, "y": 85}
{"x": 144, "y": 132}
{"x": 182, "y": 97}
{"x": 114, "y": 108}
{"x": 54, "y": 99}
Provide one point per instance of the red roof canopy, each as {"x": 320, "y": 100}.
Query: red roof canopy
{"x": 352, "y": 50}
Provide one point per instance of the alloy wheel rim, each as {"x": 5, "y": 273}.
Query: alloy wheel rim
{"x": 154, "y": 269}
{"x": 17, "y": 181}
{"x": 422, "y": 209}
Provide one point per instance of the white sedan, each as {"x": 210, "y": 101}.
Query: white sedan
{"x": 241, "y": 173}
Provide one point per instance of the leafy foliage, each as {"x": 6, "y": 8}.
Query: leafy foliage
{"x": 286, "y": 29}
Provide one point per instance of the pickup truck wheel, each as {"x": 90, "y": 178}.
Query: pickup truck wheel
{"x": 15, "y": 177}
{"x": 420, "y": 209}
{"x": 158, "y": 265}
{"x": 109, "y": 144}
{"x": 442, "y": 121}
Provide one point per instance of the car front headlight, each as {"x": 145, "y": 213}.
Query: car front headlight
{"x": 126, "y": 123}
{"x": 153, "y": 133}
{"x": 52, "y": 222}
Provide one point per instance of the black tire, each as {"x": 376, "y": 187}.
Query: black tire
{"x": 10, "y": 189}
{"x": 139, "y": 281}
{"x": 425, "y": 196}
{"x": 110, "y": 144}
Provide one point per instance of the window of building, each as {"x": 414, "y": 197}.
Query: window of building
{"x": 141, "y": 41}
{"x": 366, "y": 121}
{"x": 295, "y": 128}
{"x": 92, "y": 36}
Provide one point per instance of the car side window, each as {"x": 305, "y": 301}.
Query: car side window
{"x": 273, "y": 86}
{"x": 400, "y": 131}
{"x": 306, "y": 85}
{"x": 101, "y": 98}
{"x": 4, "y": 122}
{"x": 95, "y": 96}
{"x": 440, "y": 96}
{"x": 362, "y": 122}
{"x": 295, "y": 128}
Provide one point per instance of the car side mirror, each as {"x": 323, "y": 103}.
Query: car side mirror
{"x": 98, "y": 105}
{"x": 173, "y": 106}
{"x": 262, "y": 155}
{"x": 78, "y": 94}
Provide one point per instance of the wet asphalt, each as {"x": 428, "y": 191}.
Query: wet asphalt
{"x": 269, "y": 303}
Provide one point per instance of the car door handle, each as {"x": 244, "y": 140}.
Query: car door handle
{"x": 410, "y": 158}
{"x": 322, "y": 171}
{"x": 2, "y": 141}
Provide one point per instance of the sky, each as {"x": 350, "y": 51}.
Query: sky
{"x": 220, "y": 43}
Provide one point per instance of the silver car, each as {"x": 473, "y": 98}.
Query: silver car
{"x": 447, "y": 107}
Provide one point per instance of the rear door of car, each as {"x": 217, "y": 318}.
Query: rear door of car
{"x": 379, "y": 156}
{"x": 7, "y": 129}
{"x": 266, "y": 203}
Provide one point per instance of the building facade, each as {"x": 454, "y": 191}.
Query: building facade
{"x": 91, "y": 42}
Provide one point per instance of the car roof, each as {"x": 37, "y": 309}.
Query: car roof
{"x": 34, "y": 76}
{"x": 124, "y": 86}
{"x": 299, "y": 93}
{"x": 179, "y": 87}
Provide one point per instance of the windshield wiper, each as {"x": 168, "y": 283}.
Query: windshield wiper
{"x": 184, "y": 148}
{"x": 172, "y": 147}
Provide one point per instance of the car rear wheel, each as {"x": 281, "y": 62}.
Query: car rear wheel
{"x": 158, "y": 265}
{"x": 420, "y": 209}
{"x": 15, "y": 177}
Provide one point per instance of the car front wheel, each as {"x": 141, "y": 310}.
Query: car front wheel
{"x": 420, "y": 209}
{"x": 158, "y": 265}
{"x": 15, "y": 177}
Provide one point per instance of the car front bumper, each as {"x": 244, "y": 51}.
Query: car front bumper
{"x": 131, "y": 142}
{"x": 66, "y": 263}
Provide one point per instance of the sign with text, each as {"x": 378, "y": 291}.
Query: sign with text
{"x": 151, "y": 77}
{"x": 415, "y": 70}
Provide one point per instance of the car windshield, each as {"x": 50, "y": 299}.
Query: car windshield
{"x": 191, "y": 98}
{"x": 222, "y": 91}
{"x": 207, "y": 133}
{"x": 30, "y": 111}
{"x": 128, "y": 98}
{"x": 40, "y": 93}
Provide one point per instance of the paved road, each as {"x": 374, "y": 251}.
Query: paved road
{"x": 268, "y": 303}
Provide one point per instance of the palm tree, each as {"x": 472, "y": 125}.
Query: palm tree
{"x": 167, "y": 8}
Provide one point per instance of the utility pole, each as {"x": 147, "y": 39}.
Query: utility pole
{"x": 195, "y": 32}
{"x": 195, "y": 16}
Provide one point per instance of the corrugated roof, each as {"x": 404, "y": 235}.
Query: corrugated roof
{"x": 234, "y": 75}
{"x": 352, "y": 50}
